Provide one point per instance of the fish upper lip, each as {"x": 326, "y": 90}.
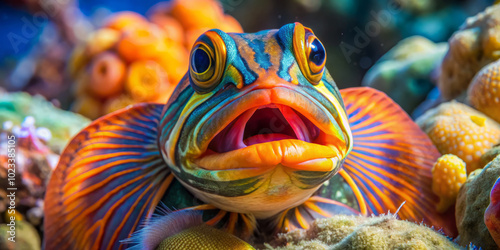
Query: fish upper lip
{"x": 277, "y": 96}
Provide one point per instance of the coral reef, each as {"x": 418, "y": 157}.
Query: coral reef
{"x": 121, "y": 59}
{"x": 448, "y": 175}
{"x": 405, "y": 72}
{"x": 358, "y": 232}
{"x": 63, "y": 125}
{"x": 457, "y": 129}
{"x": 131, "y": 59}
{"x": 41, "y": 132}
{"x": 472, "y": 47}
{"x": 58, "y": 26}
{"x": 484, "y": 91}
{"x": 32, "y": 163}
{"x": 472, "y": 201}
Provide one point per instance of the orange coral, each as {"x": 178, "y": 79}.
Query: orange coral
{"x": 100, "y": 41}
{"x": 125, "y": 20}
{"x": 194, "y": 14}
{"x": 196, "y": 17}
{"x": 448, "y": 175}
{"x": 458, "y": 129}
{"x": 107, "y": 73}
{"x": 484, "y": 91}
{"x": 132, "y": 59}
{"x": 173, "y": 28}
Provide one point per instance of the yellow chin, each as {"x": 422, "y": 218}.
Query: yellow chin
{"x": 278, "y": 191}
{"x": 291, "y": 153}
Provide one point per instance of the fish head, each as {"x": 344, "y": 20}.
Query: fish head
{"x": 257, "y": 124}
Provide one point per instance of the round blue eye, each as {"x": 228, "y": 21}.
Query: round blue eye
{"x": 200, "y": 61}
{"x": 317, "y": 54}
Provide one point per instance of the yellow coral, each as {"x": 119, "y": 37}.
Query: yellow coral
{"x": 448, "y": 175}
{"x": 471, "y": 48}
{"x": 458, "y": 129}
{"x": 484, "y": 91}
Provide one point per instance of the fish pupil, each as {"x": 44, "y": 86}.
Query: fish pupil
{"x": 201, "y": 61}
{"x": 317, "y": 54}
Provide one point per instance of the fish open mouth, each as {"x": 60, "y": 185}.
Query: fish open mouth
{"x": 273, "y": 122}
{"x": 273, "y": 134}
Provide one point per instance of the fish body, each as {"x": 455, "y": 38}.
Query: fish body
{"x": 255, "y": 135}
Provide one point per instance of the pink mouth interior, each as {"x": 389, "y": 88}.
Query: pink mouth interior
{"x": 265, "y": 124}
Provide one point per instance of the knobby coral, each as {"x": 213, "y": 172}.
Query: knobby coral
{"x": 484, "y": 91}
{"x": 448, "y": 175}
{"x": 457, "y": 129}
{"x": 472, "y": 47}
{"x": 133, "y": 59}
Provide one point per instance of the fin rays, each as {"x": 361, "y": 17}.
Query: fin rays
{"x": 110, "y": 177}
{"x": 391, "y": 159}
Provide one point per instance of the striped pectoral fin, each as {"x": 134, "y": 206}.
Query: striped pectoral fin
{"x": 302, "y": 216}
{"x": 109, "y": 178}
{"x": 391, "y": 160}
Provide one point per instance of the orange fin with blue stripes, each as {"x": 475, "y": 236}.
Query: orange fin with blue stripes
{"x": 109, "y": 178}
{"x": 391, "y": 160}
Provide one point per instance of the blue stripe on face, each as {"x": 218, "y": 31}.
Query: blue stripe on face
{"x": 234, "y": 58}
{"x": 284, "y": 39}
{"x": 261, "y": 57}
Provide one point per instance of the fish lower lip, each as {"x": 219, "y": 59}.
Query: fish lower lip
{"x": 291, "y": 153}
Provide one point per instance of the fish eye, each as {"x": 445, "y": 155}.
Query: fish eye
{"x": 309, "y": 52}
{"x": 317, "y": 54}
{"x": 201, "y": 60}
{"x": 207, "y": 62}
